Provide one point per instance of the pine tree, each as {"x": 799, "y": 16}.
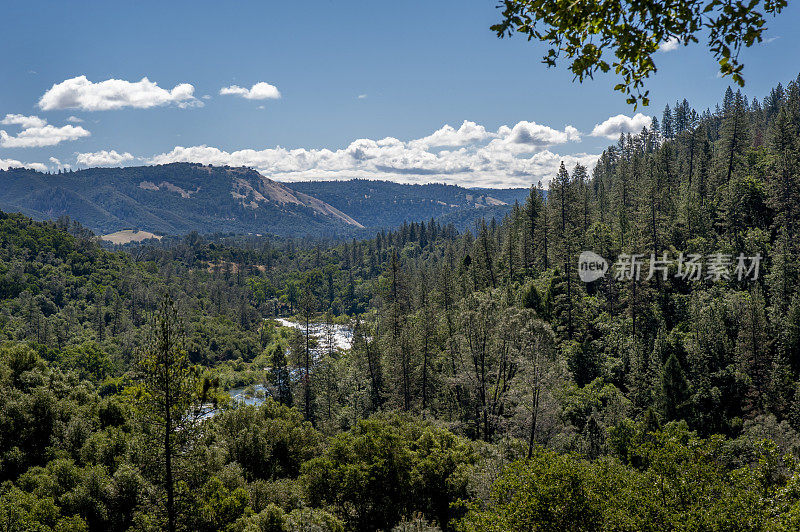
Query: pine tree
{"x": 363, "y": 346}
{"x": 512, "y": 226}
{"x": 426, "y": 336}
{"x": 169, "y": 404}
{"x": 280, "y": 375}
{"x": 734, "y": 140}
{"x": 784, "y": 199}
{"x": 580, "y": 177}
{"x": 534, "y": 206}
{"x": 562, "y": 203}
{"x": 674, "y": 387}
{"x": 396, "y": 314}
{"x": 667, "y": 124}
{"x": 683, "y": 117}
{"x": 752, "y": 351}
{"x": 308, "y": 308}
{"x": 485, "y": 253}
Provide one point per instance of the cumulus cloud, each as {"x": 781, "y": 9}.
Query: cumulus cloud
{"x": 469, "y": 155}
{"x": 6, "y": 164}
{"x": 259, "y": 91}
{"x": 80, "y": 93}
{"x": 74, "y": 119}
{"x": 103, "y": 158}
{"x": 530, "y": 137}
{"x": 447, "y": 135}
{"x": 362, "y": 96}
{"x": 23, "y": 121}
{"x": 36, "y": 133}
{"x": 523, "y": 137}
{"x": 669, "y": 45}
{"x": 615, "y": 125}
{"x": 37, "y": 137}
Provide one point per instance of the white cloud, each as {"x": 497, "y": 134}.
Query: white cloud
{"x": 103, "y": 158}
{"x": 5, "y": 164}
{"x": 39, "y": 167}
{"x": 362, "y": 96}
{"x": 523, "y": 137}
{"x": 23, "y": 121}
{"x": 36, "y": 133}
{"x": 447, "y": 135}
{"x": 669, "y": 45}
{"x": 259, "y": 91}
{"x": 512, "y": 156}
{"x": 615, "y": 125}
{"x": 74, "y": 119}
{"x": 58, "y": 165}
{"x": 80, "y": 93}
{"x": 530, "y": 137}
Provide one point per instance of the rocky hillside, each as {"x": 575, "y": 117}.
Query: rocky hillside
{"x": 172, "y": 199}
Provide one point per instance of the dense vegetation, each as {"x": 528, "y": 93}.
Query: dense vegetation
{"x": 487, "y": 387}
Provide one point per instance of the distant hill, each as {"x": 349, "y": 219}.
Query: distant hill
{"x": 182, "y": 197}
{"x": 387, "y": 204}
{"x": 171, "y": 199}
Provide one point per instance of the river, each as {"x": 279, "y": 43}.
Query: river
{"x": 341, "y": 336}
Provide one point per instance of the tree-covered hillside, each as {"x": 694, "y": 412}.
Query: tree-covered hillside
{"x": 384, "y": 204}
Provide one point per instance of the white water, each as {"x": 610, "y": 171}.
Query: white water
{"x": 342, "y": 334}
{"x": 244, "y": 396}
{"x": 255, "y": 394}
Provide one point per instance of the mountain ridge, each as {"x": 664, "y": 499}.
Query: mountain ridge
{"x": 379, "y": 203}
{"x": 170, "y": 199}
{"x": 178, "y": 198}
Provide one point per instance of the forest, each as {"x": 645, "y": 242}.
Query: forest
{"x": 486, "y": 387}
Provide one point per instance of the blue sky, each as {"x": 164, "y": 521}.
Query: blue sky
{"x": 349, "y": 74}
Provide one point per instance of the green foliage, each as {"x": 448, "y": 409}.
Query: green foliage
{"x": 365, "y": 472}
{"x": 270, "y": 441}
{"x": 86, "y": 359}
{"x": 679, "y": 484}
{"x": 383, "y": 468}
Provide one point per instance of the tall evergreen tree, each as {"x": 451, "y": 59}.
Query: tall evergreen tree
{"x": 674, "y": 387}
